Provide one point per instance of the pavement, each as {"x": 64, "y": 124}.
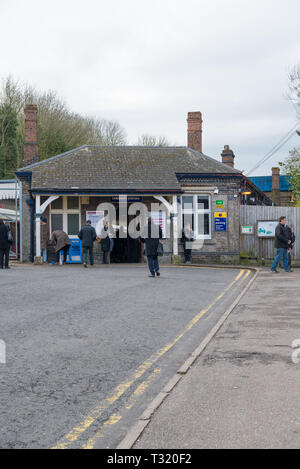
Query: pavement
{"x": 242, "y": 390}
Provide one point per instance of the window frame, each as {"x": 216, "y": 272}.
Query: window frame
{"x": 195, "y": 211}
{"x": 65, "y": 212}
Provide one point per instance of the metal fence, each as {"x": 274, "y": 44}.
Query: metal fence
{"x": 251, "y": 244}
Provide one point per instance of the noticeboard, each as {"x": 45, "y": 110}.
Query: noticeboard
{"x": 160, "y": 219}
{"x": 266, "y": 228}
{"x": 220, "y": 221}
{"x": 96, "y": 219}
{"x": 247, "y": 229}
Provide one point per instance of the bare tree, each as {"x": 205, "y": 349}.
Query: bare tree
{"x": 59, "y": 129}
{"x": 147, "y": 140}
{"x": 294, "y": 86}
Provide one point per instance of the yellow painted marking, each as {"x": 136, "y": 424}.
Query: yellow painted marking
{"x": 119, "y": 390}
{"x": 115, "y": 418}
{"x": 141, "y": 388}
{"x": 235, "y": 288}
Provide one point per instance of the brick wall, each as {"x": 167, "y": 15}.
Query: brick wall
{"x": 223, "y": 246}
{"x": 30, "y": 146}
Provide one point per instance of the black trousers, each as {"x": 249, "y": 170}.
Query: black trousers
{"x": 290, "y": 259}
{"x": 4, "y": 257}
{"x": 87, "y": 249}
{"x": 105, "y": 257}
{"x": 153, "y": 264}
{"x": 187, "y": 255}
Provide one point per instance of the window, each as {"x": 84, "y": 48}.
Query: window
{"x": 203, "y": 202}
{"x": 56, "y": 221}
{"x": 65, "y": 215}
{"x": 73, "y": 203}
{"x": 196, "y": 210}
{"x": 187, "y": 202}
{"x": 73, "y": 224}
{"x": 57, "y": 204}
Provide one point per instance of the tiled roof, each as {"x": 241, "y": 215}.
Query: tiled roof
{"x": 98, "y": 167}
{"x": 264, "y": 183}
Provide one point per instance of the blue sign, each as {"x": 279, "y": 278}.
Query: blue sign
{"x": 220, "y": 224}
{"x": 123, "y": 198}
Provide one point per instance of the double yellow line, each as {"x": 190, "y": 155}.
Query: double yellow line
{"x": 119, "y": 390}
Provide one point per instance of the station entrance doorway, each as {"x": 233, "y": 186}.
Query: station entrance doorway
{"x": 125, "y": 249}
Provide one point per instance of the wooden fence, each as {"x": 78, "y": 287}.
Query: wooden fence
{"x": 250, "y": 214}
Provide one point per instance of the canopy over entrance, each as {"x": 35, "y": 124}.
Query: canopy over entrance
{"x": 9, "y": 215}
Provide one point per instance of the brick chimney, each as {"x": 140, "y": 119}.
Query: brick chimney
{"x": 194, "y": 136}
{"x": 276, "y": 185}
{"x": 228, "y": 156}
{"x": 30, "y": 147}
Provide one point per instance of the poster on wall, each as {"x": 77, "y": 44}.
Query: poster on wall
{"x": 247, "y": 229}
{"x": 97, "y": 220}
{"x": 160, "y": 219}
{"x": 220, "y": 221}
{"x": 266, "y": 229}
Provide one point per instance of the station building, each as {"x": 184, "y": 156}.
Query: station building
{"x": 176, "y": 184}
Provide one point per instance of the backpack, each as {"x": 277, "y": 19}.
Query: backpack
{"x": 293, "y": 238}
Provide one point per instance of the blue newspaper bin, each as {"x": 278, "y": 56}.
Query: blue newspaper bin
{"x": 75, "y": 256}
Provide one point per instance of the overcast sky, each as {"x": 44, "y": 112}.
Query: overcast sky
{"x": 147, "y": 63}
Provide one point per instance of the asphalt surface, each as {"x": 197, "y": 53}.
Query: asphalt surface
{"x": 88, "y": 349}
{"x": 243, "y": 390}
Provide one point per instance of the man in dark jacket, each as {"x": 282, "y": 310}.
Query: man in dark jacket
{"x": 88, "y": 235}
{"x": 5, "y": 245}
{"x": 282, "y": 244}
{"x": 151, "y": 234}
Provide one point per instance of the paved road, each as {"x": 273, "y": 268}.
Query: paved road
{"x": 88, "y": 349}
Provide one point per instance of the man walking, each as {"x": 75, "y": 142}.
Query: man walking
{"x": 5, "y": 245}
{"x": 282, "y": 244}
{"x": 88, "y": 235}
{"x": 151, "y": 235}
